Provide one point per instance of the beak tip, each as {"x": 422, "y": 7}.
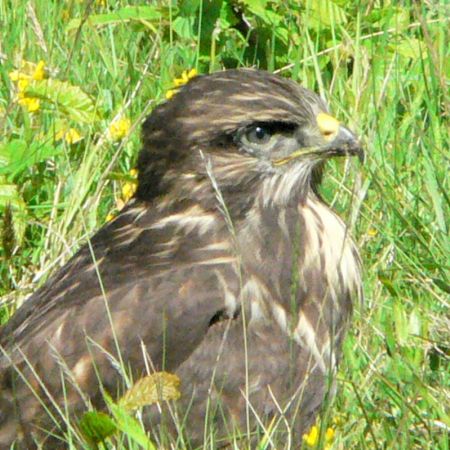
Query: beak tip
{"x": 355, "y": 148}
{"x": 347, "y": 143}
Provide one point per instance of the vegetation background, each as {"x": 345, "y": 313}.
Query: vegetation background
{"x": 78, "y": 77}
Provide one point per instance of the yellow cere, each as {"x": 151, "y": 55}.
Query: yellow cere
{"x": 328, "y": 125}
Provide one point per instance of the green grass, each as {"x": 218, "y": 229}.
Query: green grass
{"x": 381, "y": 66}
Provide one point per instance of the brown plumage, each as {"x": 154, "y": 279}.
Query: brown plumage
{"x": 226, "y": 268}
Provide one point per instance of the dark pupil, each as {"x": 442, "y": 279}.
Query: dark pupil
{"x": 260, "y": 133}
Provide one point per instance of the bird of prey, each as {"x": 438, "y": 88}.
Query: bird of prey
{"x": 226, "y": 268}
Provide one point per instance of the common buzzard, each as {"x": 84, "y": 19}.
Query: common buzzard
{"x": 226, "y": 268}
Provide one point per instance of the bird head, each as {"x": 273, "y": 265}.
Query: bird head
{"x": 252, "y": 126}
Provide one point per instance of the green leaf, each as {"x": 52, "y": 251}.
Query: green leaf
{"x": 394, "y": 18}
{"x": 323, "y": 14}
{"x": 401, "y": 324}
{"x": 341, "y": 3}
{"x": 442, "y": 284}
{"x": 66, "y": 98}
{"x": 415, "y": 323}
{"x": 17, "y": 156}
{"x": 131, "y": 427}
{"x": 9, "y": 194}
{"x": 189, "y": 7}
{"x": 127, "y": 424}
{"x": 410, "y": 48}
{"x": 433, "y": 189}
{"x": 227, "y": 16}
{"x": 282, "y": 34}
{"x": 269, "y": 17}
{"x": 257, "y": 7}
{"x": 5, "y": 156}
{"x": 184, "y": 27}
{"x": 96, "y": 426}
{"x": 127, "y": 14}
{"x": 388, "y": 284}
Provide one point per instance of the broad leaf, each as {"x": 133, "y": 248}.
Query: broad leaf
{"x": 323, "y": 14}
{"x": 96, "y": 426}
{"x": 131, "y": 427}
{"x": 66, "y": 98}
{"x": 17, "y": 156}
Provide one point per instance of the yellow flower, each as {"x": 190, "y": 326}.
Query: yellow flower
{"x": 71, "y": 136}
{"x": 170, "y": 93}
{"x": 312, "y": 437}
{"x": 177, "y": 82}
{"x": 39, "y": 71}
{"x": 329, "y": 434}
{"x": 372, "y": 232}
{"x": 119, "y": 129}
{"x": 15, "y": 76}
{"x": 185, "y": 77}
{"x": 29, "y": 71}
{"x": 30, "y": 103}
{"x": 23, "y": 77}
{"x": 129, "y": 187}
{"x": 22, "y": 84}
{"x": 338, "y": 420}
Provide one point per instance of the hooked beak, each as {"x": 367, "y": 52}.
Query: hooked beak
{"x": 345, "y": 143}
{"x": 340, "y": 141}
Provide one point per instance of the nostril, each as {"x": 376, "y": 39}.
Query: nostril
{"x": 329, "y": 135}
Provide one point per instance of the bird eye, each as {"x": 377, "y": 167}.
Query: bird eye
{"x": 258, "y": 135}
